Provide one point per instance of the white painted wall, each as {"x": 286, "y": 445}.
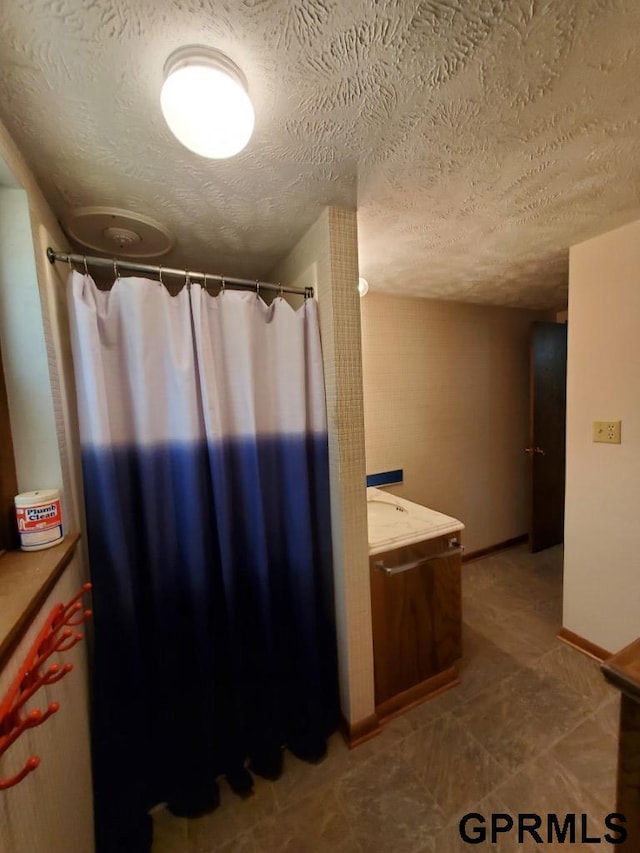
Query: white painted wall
{"x": 31, "y": 408}
{"x": 52, "y": 809}
{"x": 602, "y": 526}
{"x": 28, "y": 275}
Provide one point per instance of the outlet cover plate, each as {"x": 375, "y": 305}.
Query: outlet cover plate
{"x": 607, "y": 432}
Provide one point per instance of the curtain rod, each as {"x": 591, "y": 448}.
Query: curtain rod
{"x": 115, "y": 264}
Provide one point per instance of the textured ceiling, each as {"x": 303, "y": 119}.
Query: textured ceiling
{"x": 479, "y": 138}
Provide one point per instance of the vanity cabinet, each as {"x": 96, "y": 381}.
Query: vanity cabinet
{"x": 417, "y": 621}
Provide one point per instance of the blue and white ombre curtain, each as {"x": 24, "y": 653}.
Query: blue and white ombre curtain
{"x": 204, "y": 447}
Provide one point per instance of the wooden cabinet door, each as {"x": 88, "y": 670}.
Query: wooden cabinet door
{"x": 416, "y": 617}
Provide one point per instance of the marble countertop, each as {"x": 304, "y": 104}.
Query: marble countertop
{"x": 394, "y": 522}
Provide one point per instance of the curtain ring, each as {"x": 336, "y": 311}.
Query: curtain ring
{"x": 204, "y": 282}
{"x": 160, "y": 274}
{"x": 187, "y": 280}
{"x": 257, "y": 288}
{"x": 84, "y": 260}
{"x": 115, "y": 269}
{"x": 281, "y": 291}
{"x": 70, "y": 262}
{"x": 223, "y": 285}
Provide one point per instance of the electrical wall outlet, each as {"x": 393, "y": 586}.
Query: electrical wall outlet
{"x": 608, "y": 432}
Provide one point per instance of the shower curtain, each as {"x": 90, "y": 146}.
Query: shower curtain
{"x": 204, "y": 451}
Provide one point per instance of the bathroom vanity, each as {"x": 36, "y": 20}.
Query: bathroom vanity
{"x": 415, "y": 565}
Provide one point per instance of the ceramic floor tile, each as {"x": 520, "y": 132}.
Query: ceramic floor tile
{"x": 608, "y": 715}
{"x": 397, "y": 729}
{"x": 434, "y": 708}
{"x": 478, "y": 837}
{"x": 532, "y": 727}
{"x": 580, "y": 673}
{"x": 300, "y": 778}
{"x": 525, "y": 635}
{"x": 234, "y": 817}
{"x": 545, "y": 787}
{"x": 391, "y": 734}
{"x": 429, "y": 847}
{"x": 521, "y": 717}
{"x": 516, "y": 577}
{"x": 503, "y": 594}
{"x": 169, "y": 833}
{"x": 473, "y": 830}
{"x": 455, "y": 768}
{"x": 315, "y": 824}
{"x": 483, "y": 664}
{"x": 387, "y": 807}
{"x": 244, "y": 843}
{"x": 590, "y": 754}
{"x": 550, "y": 609}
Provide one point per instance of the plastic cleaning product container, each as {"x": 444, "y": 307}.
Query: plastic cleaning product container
{"x": 39, "y": 517}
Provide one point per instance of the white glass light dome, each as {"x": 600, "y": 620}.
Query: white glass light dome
{"x": 363, "y": 287}
{"x": 205, "y": 102}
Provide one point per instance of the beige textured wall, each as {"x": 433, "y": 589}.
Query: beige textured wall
{"x": 51, "y": 811}
{"x": 327, "y": 256}
{"x": 446, "y": 399}
{"x": 602, "y": 535}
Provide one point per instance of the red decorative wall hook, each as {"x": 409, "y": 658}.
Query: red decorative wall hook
{"x": 55, "y": 636}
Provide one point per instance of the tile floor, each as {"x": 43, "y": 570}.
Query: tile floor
{"x": 531, "y": 728}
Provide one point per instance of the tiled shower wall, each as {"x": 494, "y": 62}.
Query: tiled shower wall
{"x": 327, "y": 257}
{"x": 446, "y": 397}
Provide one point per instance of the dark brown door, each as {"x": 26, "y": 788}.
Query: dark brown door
{"x": 548, "y": 377}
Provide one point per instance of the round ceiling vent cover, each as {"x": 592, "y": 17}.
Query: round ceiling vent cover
{"x": 114, "y": 231}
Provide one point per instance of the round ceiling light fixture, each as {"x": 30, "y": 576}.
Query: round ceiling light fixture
{"x": 205, "y": 102}
{"x": 363, "y": 287}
